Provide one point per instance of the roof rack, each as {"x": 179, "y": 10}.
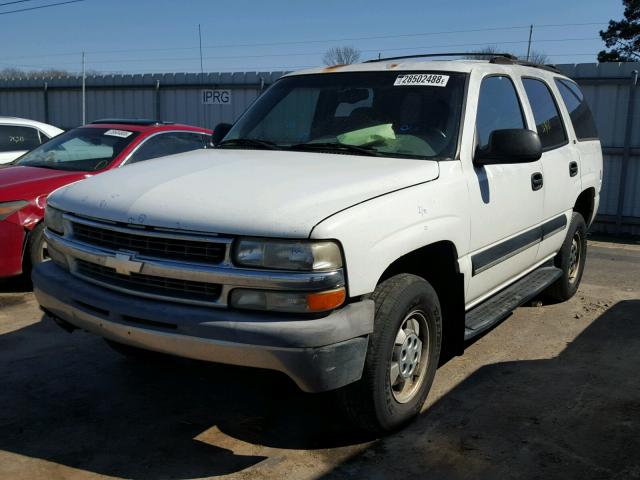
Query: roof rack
{"x": 131, "y": 121}
{"x": 456, "y": 54}
{"x": 497, "y": 58}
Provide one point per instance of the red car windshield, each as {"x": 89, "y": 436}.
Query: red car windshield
{"x": 81, "y": 149}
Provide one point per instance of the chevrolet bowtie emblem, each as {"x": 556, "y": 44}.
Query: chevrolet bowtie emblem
{"x": 123, "y": 264}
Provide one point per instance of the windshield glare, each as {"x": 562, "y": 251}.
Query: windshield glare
{"x": 82, "y": 149}
{"x": 373, "y": 110}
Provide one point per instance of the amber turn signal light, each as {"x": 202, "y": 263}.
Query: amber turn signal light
{"x": 322, "y": 301}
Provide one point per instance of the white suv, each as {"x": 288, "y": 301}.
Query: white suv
{"x": 356, "y": 223}
{"x": 19, "y": 135}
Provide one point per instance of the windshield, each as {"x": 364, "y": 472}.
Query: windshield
{"x": 83, "y": 149}
{"x": 376, "y": 113}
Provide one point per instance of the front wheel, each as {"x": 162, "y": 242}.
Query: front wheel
{"x": 38, "y": 246}
{"x": 402, "y": 356}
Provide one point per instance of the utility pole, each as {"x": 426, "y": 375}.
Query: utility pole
{"x": 84, "y": 92}
{"x": 205, "y": 116}
{"x": 200, "y": 39}
{"x": 529, "y": 45}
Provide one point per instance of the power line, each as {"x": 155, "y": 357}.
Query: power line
{"x": 15, "y": 1}
{"x": 304, "y": 42}
{"x": 40, "y": 6}
{"x": 298, "y": 54}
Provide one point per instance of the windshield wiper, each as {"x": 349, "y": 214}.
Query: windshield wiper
{"x": 249, "y": 142}
{"x": 341, "y": 147}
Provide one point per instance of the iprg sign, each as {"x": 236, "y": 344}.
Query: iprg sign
{"x": 216, "y": 97}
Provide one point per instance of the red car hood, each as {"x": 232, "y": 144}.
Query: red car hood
{"x": 27, "y": 183}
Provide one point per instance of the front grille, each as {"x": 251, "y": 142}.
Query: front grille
{"x": 170, "y": 288}
{"x": 207, "y": 252}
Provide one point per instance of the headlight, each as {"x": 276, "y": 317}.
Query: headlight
{"x": 7, "y": 208}
{"x": 288, "y": 254}
{"x": 53, "y": 219}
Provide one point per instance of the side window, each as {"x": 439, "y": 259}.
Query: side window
{"x": 15, "y": 138}
{"x": 498, "y": 108}
{"x": 168, "y": 144}
{"x": 545, "y": 112}
{"x": 579, "y": 111}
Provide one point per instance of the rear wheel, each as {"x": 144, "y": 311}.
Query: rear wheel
{"x": 571, "y": 260}
{"x": 402, "y": 356}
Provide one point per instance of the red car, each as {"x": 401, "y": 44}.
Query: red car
{"x": 70, "y": 157}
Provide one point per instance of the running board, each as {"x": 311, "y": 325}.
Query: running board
{"x": 498, "y": 307}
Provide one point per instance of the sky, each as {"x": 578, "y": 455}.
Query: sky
{"x": 156, "y": 36}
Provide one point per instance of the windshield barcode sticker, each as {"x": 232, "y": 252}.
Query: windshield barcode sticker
{"x": 118, "y": 133}
{"x": 421, "y": 79}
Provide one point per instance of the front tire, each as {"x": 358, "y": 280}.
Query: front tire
{"x": 571, "y": 260}
{"x": 37, "y": 246}
{"x": 402, "y": 356}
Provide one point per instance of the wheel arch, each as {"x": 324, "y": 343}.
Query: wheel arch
{"x": 585, "y": 205}
{"x": 438, "y": 264}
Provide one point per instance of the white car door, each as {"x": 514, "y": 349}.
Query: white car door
{"x": 506, "y": 199}
{"x": 16, "y": 140}
{"x": 6, "y": 157}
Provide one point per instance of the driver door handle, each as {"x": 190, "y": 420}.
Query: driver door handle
{"x": 536, "y": 181}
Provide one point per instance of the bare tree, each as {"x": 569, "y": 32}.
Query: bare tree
{"x": 539, "y": 58}
{"x": 11, "y": 72}
{"x": 490, "y": 51}
{"x": 341, "y": 56}
{"x": 485, "y": 53}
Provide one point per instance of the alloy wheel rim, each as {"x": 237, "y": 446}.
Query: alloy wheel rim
{"x": 409, "y": 357}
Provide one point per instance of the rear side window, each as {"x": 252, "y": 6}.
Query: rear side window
{"x": 169, "y": 144}
{"x": 16, "y": 138}
{"x": 579, "y": 111}
{"x": 498, "y": 108}
{"x": 545, "y": 112}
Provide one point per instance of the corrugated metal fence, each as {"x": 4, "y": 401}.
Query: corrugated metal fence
{"x": 610, "y": 89}
{"x": 175, "y": 97}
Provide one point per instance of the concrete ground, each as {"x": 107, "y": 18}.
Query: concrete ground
{"x": 552, "y": 392}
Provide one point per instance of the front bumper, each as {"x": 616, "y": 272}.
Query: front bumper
{"x": 318, "y": 354}
{"x": 12, "y": 237}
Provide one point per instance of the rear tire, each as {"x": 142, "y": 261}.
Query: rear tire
{"x": 570, "y": 259}
{"x": 402, "y": 356}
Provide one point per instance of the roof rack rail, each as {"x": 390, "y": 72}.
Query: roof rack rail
{"x": 455, "y": 54}
{"x": 497, "y": 58}
{"x": 131, "y": 121}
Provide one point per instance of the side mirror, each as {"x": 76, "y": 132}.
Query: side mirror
{"x": 220, "y": 132}
{"x": 513, "y": 145}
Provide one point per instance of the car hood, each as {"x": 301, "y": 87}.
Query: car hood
{"x": 244, "y": 192}
{"x": 26, "y": 183}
